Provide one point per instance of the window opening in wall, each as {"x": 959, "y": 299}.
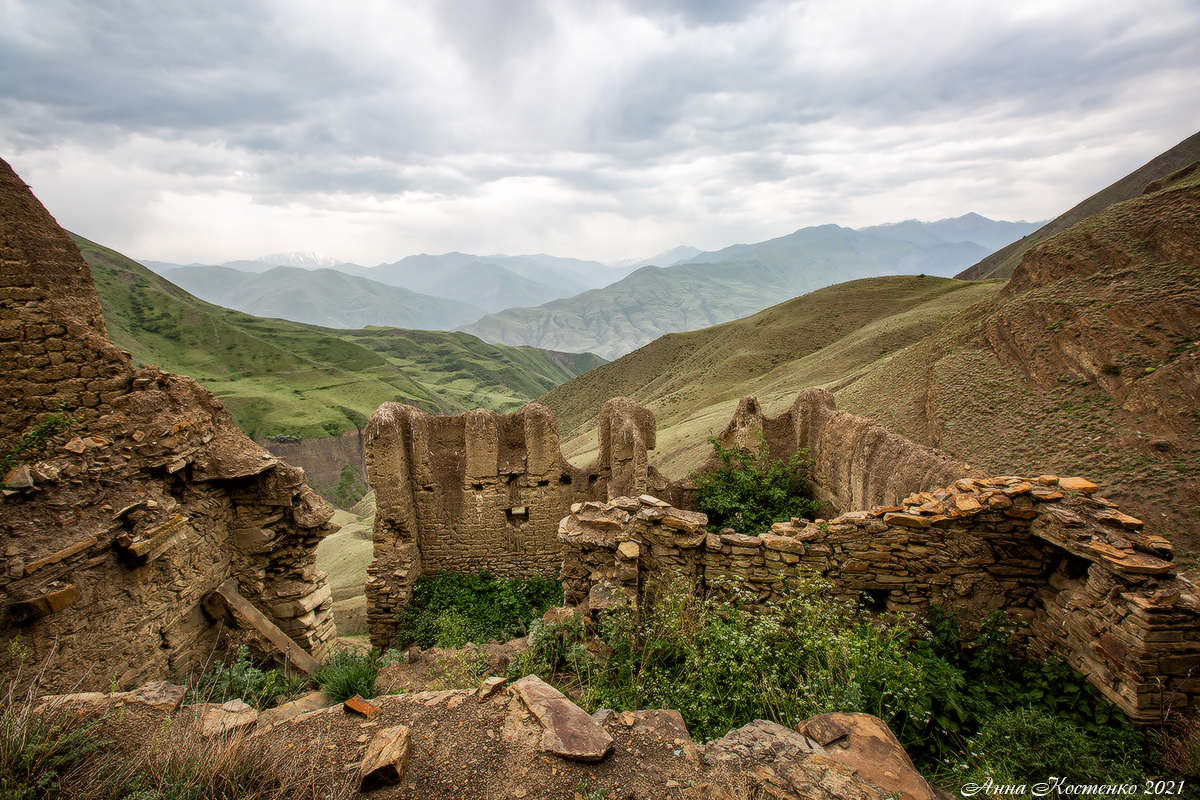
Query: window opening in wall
{"x": 876, "y": 599}
{"x": 593, "y": 478}
{"x": 477, "y": 487}
{"x": 517, "y": 513}
{"x": 543, "y": 483}
{"x": 565, "y": 480}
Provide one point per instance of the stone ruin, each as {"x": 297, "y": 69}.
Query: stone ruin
{"x": 1074, "y": 575}
{"x": 132, "y": 539}
{"x": 486, "y": 491}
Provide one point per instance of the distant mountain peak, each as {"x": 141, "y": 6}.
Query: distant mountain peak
{"x": 305, "y": 259}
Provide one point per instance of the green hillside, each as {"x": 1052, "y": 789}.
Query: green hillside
{"x": 692, "y": 380}
{"x": 1001, "y": 263}
{"x": 281, "y": 378}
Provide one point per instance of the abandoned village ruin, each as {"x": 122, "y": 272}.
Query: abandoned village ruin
{"x": 1075, "y": 575}
{"x": 152, "y": 532}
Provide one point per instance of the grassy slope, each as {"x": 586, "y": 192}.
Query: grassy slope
{"x": 1001, "y": 263}
{"x": 278, "y": 377}
{"x": 1086, "y": 364}
{"x": 693, "y": 380}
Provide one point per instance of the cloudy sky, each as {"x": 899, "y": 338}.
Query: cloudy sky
{"x": 374, "y": 129}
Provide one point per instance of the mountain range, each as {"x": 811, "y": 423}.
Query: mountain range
{"x": 718, "y": 286}
{"x": 584, "y": 306}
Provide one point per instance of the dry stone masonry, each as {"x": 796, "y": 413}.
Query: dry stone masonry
{"x": 1075, "y": 575}
{"x": 117, "y": 533}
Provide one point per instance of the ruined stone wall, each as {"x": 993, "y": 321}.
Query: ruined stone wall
{"x": 856, "y": 463}
{"x": 114, "y": 535}
{"x": 1076, "y": 577}
{"x": 485, "y": 491}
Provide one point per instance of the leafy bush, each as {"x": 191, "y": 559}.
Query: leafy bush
{"x": 1021, "y": 742}
{"x": 971, "y": 679}
{"x": 348, "y": 673}
{"x": 749, "y": 491}
{"x": 450, "y": 610}
{"x": 721, "y": 664}
{"x": 241, "y": 680}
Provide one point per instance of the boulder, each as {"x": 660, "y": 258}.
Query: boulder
{"x": 162, "y": 695}
{"x": 226, "y": 718}
{"x": 873, "y": 752}
{"x": 568, "y": 731}
{"x": 385, "y": 758}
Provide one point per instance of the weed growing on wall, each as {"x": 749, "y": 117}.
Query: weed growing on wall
{"x": 32, "y": 442}
{"x": 750, "y": 490}
{"x": 449, "y": 610}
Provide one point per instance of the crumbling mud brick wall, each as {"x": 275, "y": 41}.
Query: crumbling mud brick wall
{"x": 115, "y": 534}
{"x": 1076, "y": 576}
{"x": 485, "y": 491}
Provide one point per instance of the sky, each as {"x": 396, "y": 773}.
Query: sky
{"x": 598, "y": 129}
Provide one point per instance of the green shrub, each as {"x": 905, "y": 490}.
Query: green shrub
{"x": 722, "y": 665}
{"x": 450, "y": 610}
{"x": 348, "y": 673}
{"x": 241, "y": 680}
{"x": 749, "y": 491}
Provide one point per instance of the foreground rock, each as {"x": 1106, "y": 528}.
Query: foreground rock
{"x": 569, "y": 731}
{"x": 867, "y": 745}
{"x": 445, "y": 743}
{"x": 385, "y": 759}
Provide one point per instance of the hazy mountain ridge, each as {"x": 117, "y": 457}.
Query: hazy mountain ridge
{"x": 325, "y": 297}
{"x": 726, "y": 284}
{"x": 284, "y": 378}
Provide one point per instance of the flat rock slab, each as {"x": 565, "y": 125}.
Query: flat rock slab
{"x": 385, "y": 759}
{"x": 874, "y": 753}
{"x": 568, "y": 731}
{"x": 490, "y": 686}
{"x": 761, "y": 741}
{"x": 358, "y": 705}
{"x": 162, "y": 695}
{"x": 312, "y": 701}
{"x": 231, "y": 717}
